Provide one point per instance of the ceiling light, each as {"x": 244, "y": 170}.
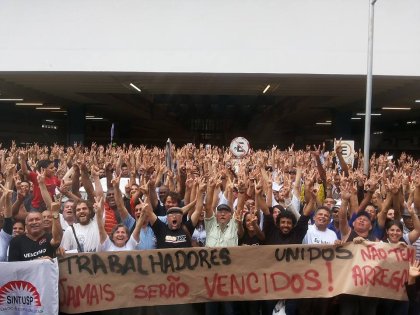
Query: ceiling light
{"x": 89, "y": 116}
{"x": 356, "y": 118}
{"x": 396, "y": 108}
{"x": 29, "y": 104}
{"x": 94, "y": 118}
{"x": 417, "y": 101}
{"x": 48, "y": 108}
{"x": 323, "y": 123}
{"x": 59, "y": 111}
{"x": 372, "y": 114}
{"x": 11, "y": 99}
{"x": 328, "y": 121}
{"x": 49, "y": 120}
{"x": 378, "y": 132}
{"x": 135, "y": 87}
{"x": 266, "y": 88}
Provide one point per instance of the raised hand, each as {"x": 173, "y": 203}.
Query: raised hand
{"x": 98, "y": 206}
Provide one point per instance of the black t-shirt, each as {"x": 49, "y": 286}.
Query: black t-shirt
{"x": 22, "y": 248}
{"x": 273, "y": 235}
{"x": 250, "y": 240}
{"x": 167, "y": 238}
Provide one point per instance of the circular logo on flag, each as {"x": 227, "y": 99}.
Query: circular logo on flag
{"x": 239, "y": 147}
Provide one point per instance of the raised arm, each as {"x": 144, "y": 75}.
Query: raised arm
{"x": 44, "y": 191}
{"x": 310, "y": 197}
{"x": 199, "y": 204}
{"x": 385, "y": 206}
{"x": 75, "y": 180}
{"x": 99, "y": 192}
{"x": 98, "y": 206}
{"x": 149, "y": 212}
{"x": 57, "y": 231}
{"x": 417, "y": 191}
{"x": 6, "y": 201}
{"x": 339, "y": 152}
{"x": 151, "y": 193}
{"x": 140, "y": 222}
{"x": 260, "y": 202}
{"x": 415, "y": 233}
{"x": 87, "y": 183}
{"x": 342, "y": 214}
{"x": 299, "y": 169}
{"x": 119, "y": 199}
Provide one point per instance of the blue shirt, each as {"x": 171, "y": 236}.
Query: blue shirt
{"x": 147, "y": 237}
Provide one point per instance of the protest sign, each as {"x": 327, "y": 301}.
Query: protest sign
{"x": 29, "y": 287}
{"x": 110, "y": 280}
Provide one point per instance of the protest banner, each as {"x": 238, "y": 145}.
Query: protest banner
{"x": 109, "y": 280}
{"x": 29, "y": 287}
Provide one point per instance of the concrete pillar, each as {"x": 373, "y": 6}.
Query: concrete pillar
{"x": 76, "y": 124}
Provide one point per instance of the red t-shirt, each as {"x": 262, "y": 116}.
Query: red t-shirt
{"x": 110, "y": 219}
{"x": 50, "y": 182}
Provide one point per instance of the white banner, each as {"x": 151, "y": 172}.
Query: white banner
{"x": 29, "y": 287}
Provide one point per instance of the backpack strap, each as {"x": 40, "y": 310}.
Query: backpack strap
{"x": 79, "y": 248}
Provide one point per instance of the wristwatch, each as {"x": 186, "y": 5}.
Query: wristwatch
{"x": 55, "y": 215}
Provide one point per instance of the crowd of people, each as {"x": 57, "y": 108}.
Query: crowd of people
{"x": 57, "y": 200}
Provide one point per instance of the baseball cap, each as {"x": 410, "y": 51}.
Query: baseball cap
{"x": 174, "y": 210}
{"x": 223, "y": 207}
{"x": 363, "y": 213}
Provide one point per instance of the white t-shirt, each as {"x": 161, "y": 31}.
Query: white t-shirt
{"x": 109, "y": 246}
{"x": 88, "y": 236}
{"x": 315, "y": 236}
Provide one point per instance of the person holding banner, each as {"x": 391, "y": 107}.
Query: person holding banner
{"x": 175, "y": 234}
{"x": 286, "y": 230}
{"x": 359, "y": 232}
{"x": 223, "y": 228}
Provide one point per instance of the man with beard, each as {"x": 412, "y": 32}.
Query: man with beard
{"x": 285, "y": 230}
{"x": 36, "y": 243}
{"x": 84, "y": 235}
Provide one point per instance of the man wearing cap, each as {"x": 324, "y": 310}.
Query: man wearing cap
{"x": 174, "y": 233}
{"x": 361, "y": 228}
{"x": 222, "y": 231}
{"x": 221, "y": 228}
{"x": 362, "y": 223}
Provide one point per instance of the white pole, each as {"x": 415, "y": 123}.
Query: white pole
{"x": 366, "y": 153}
